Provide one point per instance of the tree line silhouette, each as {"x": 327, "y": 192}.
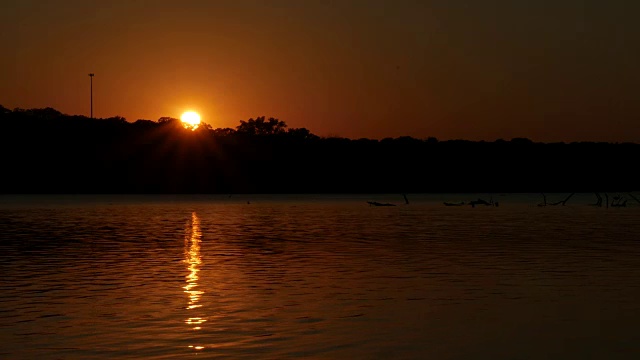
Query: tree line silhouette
{"x": 45, "y": 151}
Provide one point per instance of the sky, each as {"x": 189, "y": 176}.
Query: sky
{"x": 465, "y": 69}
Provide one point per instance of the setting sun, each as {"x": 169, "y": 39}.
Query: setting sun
{"x": 190, "y": 120}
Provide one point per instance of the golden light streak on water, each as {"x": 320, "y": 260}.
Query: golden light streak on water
{"x": 193, "y": 259}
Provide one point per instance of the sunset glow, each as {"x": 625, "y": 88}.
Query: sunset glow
{"x": 190, "y": 120}
{"x": 424, "y": 69}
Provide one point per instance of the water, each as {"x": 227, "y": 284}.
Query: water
{"x": 169, "y": 277}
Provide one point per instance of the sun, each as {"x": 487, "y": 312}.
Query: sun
{"x": 190, "y": 120}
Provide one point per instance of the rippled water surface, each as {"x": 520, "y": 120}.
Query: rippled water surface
{"x": 316, "y": 277}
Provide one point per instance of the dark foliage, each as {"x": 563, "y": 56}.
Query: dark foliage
{"x": 44, "y": 151}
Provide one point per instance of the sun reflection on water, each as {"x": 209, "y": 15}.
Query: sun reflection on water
{"x": 193, "y": 259}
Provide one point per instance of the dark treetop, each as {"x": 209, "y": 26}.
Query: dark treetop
{"x": 44, "y": 151}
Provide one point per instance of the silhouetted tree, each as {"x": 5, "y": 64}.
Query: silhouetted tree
{"x": 144, "y": 121}
{"x": 521, "y": 141}
{"x": 167, "y": 119}
{"x": 117, "y": 119}
{"x": 259, "y": 126}
{"x": 204, "y": 126}
{"x": 46, "y": 113}
{"x": 43, "y": 150}
{"x": 144, "y": 124}
{"x": 301, "y": 133}
{"x": 223, "y": 132}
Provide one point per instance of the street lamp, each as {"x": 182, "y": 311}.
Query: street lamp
{"x": 91, "y": 92}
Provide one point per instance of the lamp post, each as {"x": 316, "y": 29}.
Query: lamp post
{"x": 91, "y": 92}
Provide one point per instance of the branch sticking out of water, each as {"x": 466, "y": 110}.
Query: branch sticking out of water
{"x": 544, "y": 198}
{"x": 563, "y": 202}
{"x": 634, "y": 198}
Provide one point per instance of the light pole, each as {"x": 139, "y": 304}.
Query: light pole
{"x": 91, "y": 92}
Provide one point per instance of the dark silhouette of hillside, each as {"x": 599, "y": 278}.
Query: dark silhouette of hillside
{"x": 45, "y": 151}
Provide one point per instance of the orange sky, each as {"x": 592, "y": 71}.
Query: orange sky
{"x": 477, "y": 70}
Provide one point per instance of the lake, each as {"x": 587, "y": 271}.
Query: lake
{"x": 317, "y": 276}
